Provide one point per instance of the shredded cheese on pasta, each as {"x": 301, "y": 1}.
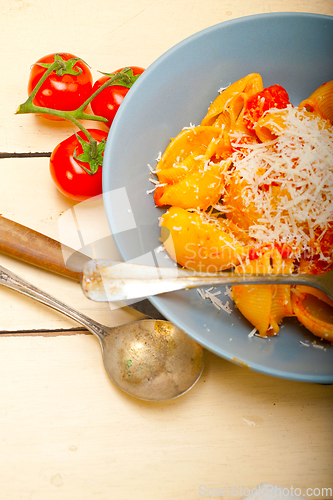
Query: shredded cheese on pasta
{"x": 300, "y": 163}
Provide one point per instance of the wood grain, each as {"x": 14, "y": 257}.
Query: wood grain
{"x": 69, "y": 433}
{"x": 66, "y": 432}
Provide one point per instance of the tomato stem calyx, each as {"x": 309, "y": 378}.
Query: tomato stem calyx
{"x": 92, "y": 154}
{"x": 127, "y": 77}
{"x": 63, "y": 67}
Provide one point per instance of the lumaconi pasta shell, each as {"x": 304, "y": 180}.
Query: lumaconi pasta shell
{"x": 198, "y": 244}
{"x": 321, "y": 101}
{"x": 314, "y": 314}
{"x": 178, "y": 172}
{"x": 255, "y": 303}
{"x": 241, "y": 213}
{"x": 281, "y": 300}
{"x": 186, "y": 143}
{"x": 316, "y": 293}
{"x": 222, "y": 121}
{"x": 197, "y": 190}
{"x": 264, "y": 305}
{"x": 235, "y": 113}
{"x": 251, "y": 84}
{"x": 232, "y": 111}
{"x": 220, "y": 148}
{"x": 270, "y": 125}
{"x": 281, "y": 305}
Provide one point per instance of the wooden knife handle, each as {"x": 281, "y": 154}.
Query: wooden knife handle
{"x": 35, "y": 248}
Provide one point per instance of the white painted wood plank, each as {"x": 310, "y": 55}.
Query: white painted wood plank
{"x": 29, "y": 197}
{"x": 108, "y": 35}
{"x": 67, "y": 432}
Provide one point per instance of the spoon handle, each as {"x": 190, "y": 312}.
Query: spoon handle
{"x": 28, "y": 245}
{"x": 11, "y": 280}
{"x": 37, "y": 249}
{"x": 117, "y": 281}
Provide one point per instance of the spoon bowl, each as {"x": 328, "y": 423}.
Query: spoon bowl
{"x": 149, "y": 359}
{"x": 152, "y": 359}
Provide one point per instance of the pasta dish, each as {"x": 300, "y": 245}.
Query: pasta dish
{"x": 251, "y": 188}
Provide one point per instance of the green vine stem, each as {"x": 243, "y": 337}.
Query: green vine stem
{"x": 121, "y": 78}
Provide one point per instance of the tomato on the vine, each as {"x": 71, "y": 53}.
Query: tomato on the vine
{"x": 271, "y": 97}
{"x": 65, "y": 89}
{"x": 107, "y": 102}
{"x": 75, "y": 174}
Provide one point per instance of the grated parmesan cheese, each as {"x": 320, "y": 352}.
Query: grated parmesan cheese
{"x": 252, "y": 333}
{"x": 300, "y": 162}
{"x": 212, "y": 296}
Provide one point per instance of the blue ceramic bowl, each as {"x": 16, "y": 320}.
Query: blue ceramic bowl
{"x": 292, "y": 49}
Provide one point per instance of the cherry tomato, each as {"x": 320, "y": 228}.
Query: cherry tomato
{"x": 65, "y": 89}
{"x": 271, "y": 97}
{"x": 70, "y": 174}
{"x": 107, "y": 102}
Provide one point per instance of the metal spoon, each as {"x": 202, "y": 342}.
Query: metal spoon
{"x": 148, "y": 359}
{"x": 112, "y": 281}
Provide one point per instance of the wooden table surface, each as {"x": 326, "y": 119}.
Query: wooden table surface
{"x": 66, "y": 432}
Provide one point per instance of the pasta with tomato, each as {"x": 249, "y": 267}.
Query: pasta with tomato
{"x": 251, "y": 188}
